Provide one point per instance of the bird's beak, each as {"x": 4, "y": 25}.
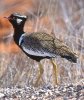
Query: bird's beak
{"x": 7, "y": 18}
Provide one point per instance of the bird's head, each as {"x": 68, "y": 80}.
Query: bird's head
{"x": 17, "y": 19}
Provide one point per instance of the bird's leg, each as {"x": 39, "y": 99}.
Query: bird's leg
{"x": 55, "y": 71}
{"x": 40, "y": 74}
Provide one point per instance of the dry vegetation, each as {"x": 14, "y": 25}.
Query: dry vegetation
{"x": 62, "y": 18}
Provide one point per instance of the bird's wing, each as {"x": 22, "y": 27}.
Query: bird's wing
{"x": 57, "y": 47}
{"x": 44, "y": 45}
{"x": 38, "y": 44}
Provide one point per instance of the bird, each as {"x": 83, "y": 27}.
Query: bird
{"x": 39, "y": 45}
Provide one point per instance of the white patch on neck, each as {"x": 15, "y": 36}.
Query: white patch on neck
{"x": 21, "y": 38}
{"x": 19, "y": 21}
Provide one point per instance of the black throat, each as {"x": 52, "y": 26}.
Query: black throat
{"x": 18, "y": 31}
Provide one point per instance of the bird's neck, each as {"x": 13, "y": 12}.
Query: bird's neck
{"x": 18, "y": 30}
{"x": 17, "y": 34}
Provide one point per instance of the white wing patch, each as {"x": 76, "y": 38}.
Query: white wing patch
{"x": 38, "y": 53}
{"x": 19, "y": 21}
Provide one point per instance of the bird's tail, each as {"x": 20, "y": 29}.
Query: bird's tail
{"x": 68, "y": 54}
{"x": 71, "y": 57}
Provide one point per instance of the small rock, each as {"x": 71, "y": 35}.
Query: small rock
{"x": 2, "y": 95}
{"x": 33, "y": 97}
{"x": 79, "y": 87}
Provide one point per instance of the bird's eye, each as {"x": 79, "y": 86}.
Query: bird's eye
{"x": 13, "y": 17}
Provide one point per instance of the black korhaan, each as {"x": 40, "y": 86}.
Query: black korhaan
{"x": 38, "y": 45}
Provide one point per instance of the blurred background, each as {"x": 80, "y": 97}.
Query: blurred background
{"x": 63, "y": 19}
